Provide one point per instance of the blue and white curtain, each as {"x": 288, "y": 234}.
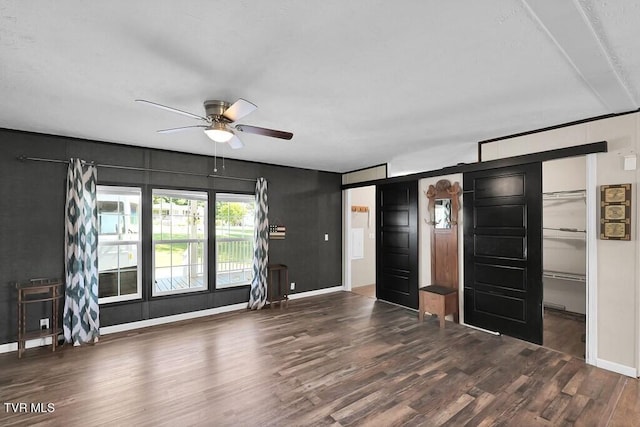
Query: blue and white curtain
{"x": 258, "y": 294}
{"x": 80, "y": 320}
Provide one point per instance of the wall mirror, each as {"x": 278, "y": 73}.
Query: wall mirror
{"x": 442, "y": 214}
{"x": 443, "y": 205}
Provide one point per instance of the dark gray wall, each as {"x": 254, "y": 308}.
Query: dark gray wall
{"x": 32, "y": 194}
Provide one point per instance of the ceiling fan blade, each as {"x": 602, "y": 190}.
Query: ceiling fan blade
{"x": 239, "y": 109}
{"x": 235, "y": 143}
{"x": 172, "y": 130}
{"x": 173, "y": 110}
{"x": 264, "y": 131}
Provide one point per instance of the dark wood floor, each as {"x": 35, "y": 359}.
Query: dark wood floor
{"x": 336, "y": 359}
{"x": 565, "y": 332}
{"x": 366, "y": 291}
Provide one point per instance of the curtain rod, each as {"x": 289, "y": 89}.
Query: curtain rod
{"x": 134, "y": 168}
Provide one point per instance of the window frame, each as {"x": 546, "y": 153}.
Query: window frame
{"x": 202, "y": 195}
{"x": 120, "y": 190}
{"x": 228, "y": 196}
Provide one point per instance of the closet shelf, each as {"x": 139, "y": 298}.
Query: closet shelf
{"x": 568, "y": 230}
{"x": 572, "y": 194}
{"x": 572, "y": 234}
{"x": 564, "y": 276}
{"x": 578, "y": 238}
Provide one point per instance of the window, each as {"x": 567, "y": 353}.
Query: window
{"x": 179, "y": 241}
{"x": 234, "y": 239}
{"x": 119, "y": 243}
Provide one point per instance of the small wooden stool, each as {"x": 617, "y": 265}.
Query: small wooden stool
{"x": 438, "y": 300}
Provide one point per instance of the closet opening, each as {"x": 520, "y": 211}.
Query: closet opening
{"x": 564, "y": 258}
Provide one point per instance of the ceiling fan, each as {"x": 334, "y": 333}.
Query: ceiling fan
{"x": 220, "y": 121}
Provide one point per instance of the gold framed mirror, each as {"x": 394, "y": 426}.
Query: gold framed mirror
{"x": 443, "y": 204}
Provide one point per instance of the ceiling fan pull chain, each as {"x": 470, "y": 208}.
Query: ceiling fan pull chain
{"x": 215, "y": 158}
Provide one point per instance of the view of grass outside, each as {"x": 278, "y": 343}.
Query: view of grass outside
{"x": 179, "y": 224}
{"x": 168, "y": 253}
{"x": 234, "y": 239}
{"x": 179, "y": 241}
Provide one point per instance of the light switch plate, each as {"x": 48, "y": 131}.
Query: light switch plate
{"x": 630, "y": 162}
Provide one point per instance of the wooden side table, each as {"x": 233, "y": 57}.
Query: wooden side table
{"x": 39, "y": 290}
{"x": 277, "y": 292}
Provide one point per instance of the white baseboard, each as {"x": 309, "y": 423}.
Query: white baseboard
{"x": 618, "y": 368}
{"x": 37, "y": 342}
{"x": 170, "y": 319}
{"x": 317, "y": 292}
{"x": 13, "y": 346}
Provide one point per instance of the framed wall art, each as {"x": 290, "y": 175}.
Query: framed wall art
{"x": 615, "y": 212}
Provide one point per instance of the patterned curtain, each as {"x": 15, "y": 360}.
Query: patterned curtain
{"x": 80, "y": 321}
{"x": 258, "y": 294}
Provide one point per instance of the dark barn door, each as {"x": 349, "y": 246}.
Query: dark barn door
{"x": 397, "y": 243}
{"x": 503, "y": 250}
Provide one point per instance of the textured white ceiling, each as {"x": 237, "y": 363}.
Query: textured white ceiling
{"x": 412, "y": 83}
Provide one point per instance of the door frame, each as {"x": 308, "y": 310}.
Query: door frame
{"x": 346, "y": 240}
{"x": 347, "y": 271}
{"x": 591, "y": 335}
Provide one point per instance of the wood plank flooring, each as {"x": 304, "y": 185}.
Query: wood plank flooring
{"x": 366, "y": 290}
{"x": 565, "y": 332}
{"x": 339, "y": 359}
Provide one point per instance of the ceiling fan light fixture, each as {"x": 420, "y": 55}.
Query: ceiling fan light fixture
{"x": 220, "y": 121}
{"x": 218, "y": 132}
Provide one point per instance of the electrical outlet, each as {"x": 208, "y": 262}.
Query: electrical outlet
{"x": 293, "y": 286}
{"x": 44, "y": 323}
{"x": 326, "y": 237}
